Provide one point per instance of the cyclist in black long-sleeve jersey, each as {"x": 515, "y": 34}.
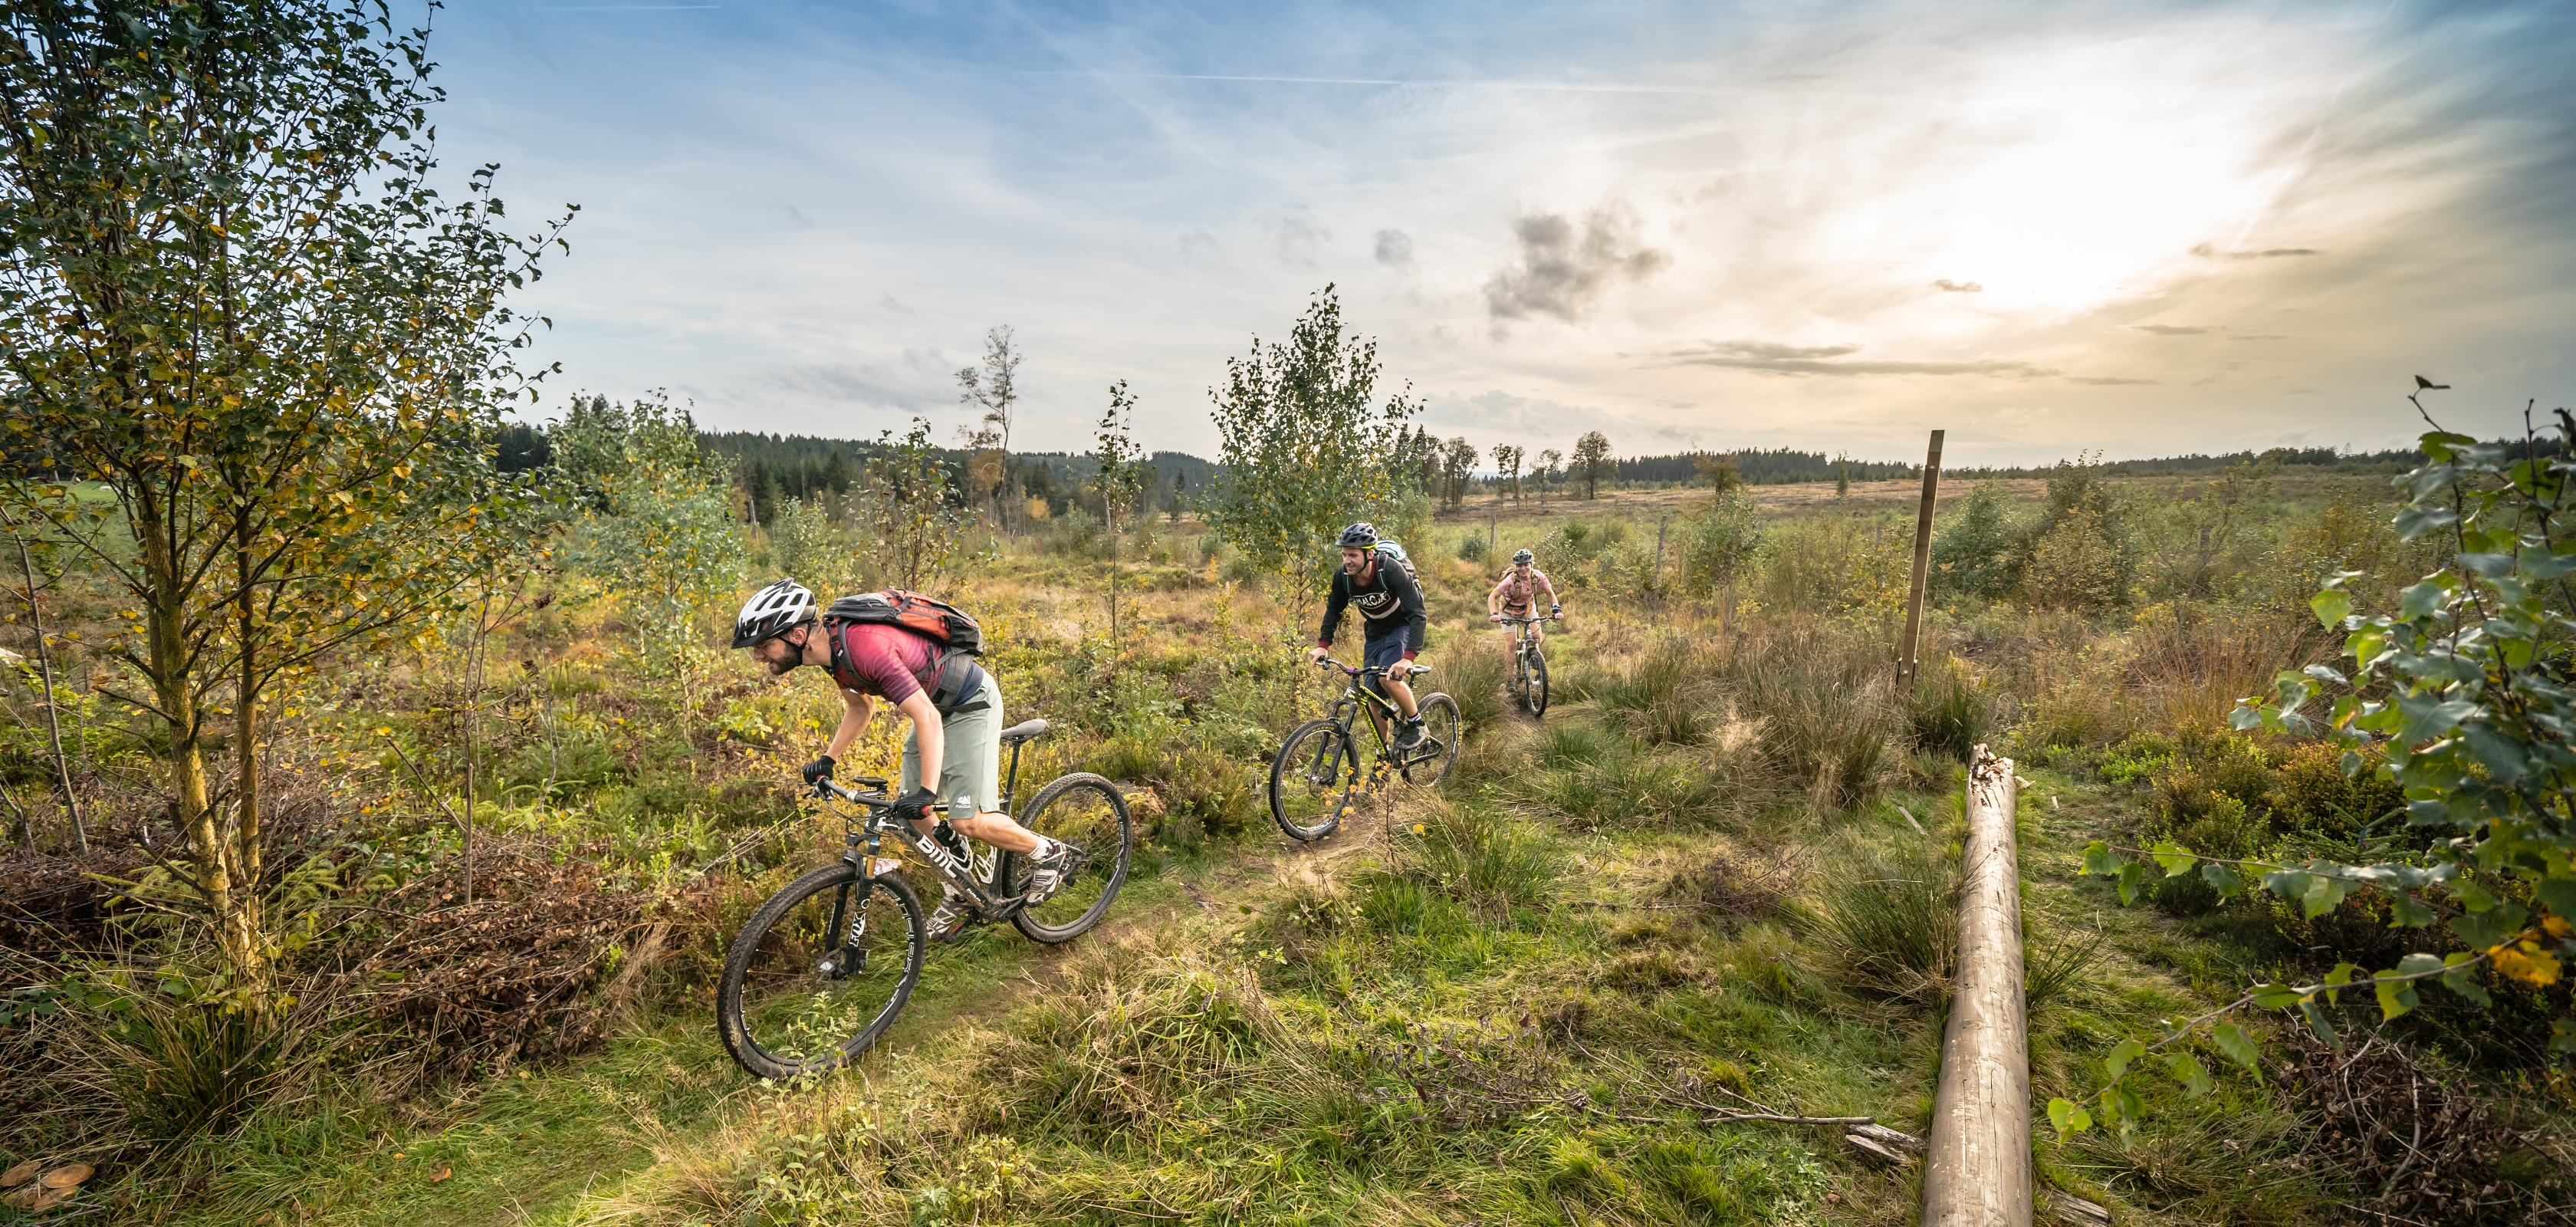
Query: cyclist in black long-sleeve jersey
{"x": 1392, "y": 613}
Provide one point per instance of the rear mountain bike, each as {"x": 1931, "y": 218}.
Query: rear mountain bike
{"x": 824, "y": 967}
{"x": 1528, "y": 681}
{"x": 1317, "y": 772}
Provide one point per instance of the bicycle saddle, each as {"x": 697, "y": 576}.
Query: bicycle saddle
{"x": 1025, "y": 730}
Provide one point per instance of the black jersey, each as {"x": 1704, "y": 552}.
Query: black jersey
{"x": 1390, "y": 604}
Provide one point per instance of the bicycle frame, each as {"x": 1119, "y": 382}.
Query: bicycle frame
{"x": 1357, "y": 698}
{"x": 965, "y": 875}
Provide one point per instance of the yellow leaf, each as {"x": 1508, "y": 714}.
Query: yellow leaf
{"x": 2557, "y": 926}
{"x": 2540, "y": 970}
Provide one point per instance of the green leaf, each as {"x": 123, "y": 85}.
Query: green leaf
{"x": 2132, "y": 876}
{"x": 2461, "y": 978}
{"x": 2277, "y": 996}
{"x": 2479, "y": 930}
{"x": 2562, "y": 1036}
{"x": 2405, "y": 911}
{"x": 2223, "y": 878}
{"x": 2067, "y": 1118}
{"x": 2186, "y": 1069}
{"x": 2395, "y": 997}
{"x": 2121, "y": 1054}
{"x": 2131, "y": 1107}
{"x": 2420, "y": 599}
{"x": 2318, "y": 1023}
{"x": 2099, "y": 858}
{"x": 2287, "y": 883}
{"x": 2558, "y": 895}
{"x": 2332, "y": 606}
{"x": 2340, "y": 976}
{"x": 2323, "y": 895}
{"x": 2176, "y": 859}
{"x": 2236, "y": 1046}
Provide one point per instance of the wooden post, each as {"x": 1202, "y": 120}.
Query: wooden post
{"x": 1922, "y": 562}
{"x": 1977, "y": 1168}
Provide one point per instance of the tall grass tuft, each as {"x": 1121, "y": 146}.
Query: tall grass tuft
{"x": 1888, "y": 926}
{"x": 1663, "y": 694}
{"x": 185, "y": 1067}
{"x": 1485, "y": 861}
{"x": 1470, "y": 670}
{"x": 1827, "y": 719}
{"x": 1948, "y": 710}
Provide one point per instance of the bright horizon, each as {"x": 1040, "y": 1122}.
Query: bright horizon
{"x": 2045, "y": 229}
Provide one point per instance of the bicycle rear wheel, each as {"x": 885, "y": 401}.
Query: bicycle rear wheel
{"x": 1441, "y": 726}
{"x": 1312, "y": 779}
{"x": 1534, "y": 695}
{"x": 1085, "y": 812}
{"x": 798, "y": 996}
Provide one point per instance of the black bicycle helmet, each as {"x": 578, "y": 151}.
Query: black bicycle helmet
{"x": 771, "y": 612}
{"x": 1523, "y": 556}
{"x": 1360, "y": 536}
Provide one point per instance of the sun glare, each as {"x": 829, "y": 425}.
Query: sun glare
{"x": 2096, "y": 173}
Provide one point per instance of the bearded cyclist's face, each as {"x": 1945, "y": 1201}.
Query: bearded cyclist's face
{"x": 1354, "y": 561}
{"x": 778, "y": 654}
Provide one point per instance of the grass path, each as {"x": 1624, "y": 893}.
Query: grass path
{"x": 546, "y": 1146}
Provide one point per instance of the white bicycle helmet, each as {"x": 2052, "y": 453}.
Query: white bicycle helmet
{"x": 771, "y": 612}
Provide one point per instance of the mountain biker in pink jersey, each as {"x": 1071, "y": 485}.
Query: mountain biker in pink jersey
{"x": 1516, "y": 596}
{"x": 955, "y": 709}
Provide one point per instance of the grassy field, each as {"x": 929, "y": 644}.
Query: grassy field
{"x": 1715, "y": 875}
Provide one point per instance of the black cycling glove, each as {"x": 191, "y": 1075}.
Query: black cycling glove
{"x": 915, "y": 805}
{"x": 819, "y": 769}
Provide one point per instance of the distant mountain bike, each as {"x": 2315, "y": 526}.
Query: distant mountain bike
{"x": 826, "y": 965}
{"x": 1318, "y": 768}
{"x": 1528, "y": 682}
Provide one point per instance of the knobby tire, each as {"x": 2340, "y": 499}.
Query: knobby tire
{"x": 778, "y": 1014}
{"x": 1314, "y": 774}
{"x": 1088, "y": 812}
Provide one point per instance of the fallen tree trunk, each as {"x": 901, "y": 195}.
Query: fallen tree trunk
{"x": 1977, "y": 1167}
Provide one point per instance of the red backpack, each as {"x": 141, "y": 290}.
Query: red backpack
{"x": 932, "y": 619}
{"x": 944, "y": 624}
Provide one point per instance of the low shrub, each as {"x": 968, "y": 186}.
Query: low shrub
{"x": 2311, "y": 793}
{"x": 1827, "y": 720}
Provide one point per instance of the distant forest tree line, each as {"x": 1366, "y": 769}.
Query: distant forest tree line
{"x": 771, "y": 468}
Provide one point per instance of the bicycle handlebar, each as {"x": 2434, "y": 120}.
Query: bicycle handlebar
{"x": 1376, "y": 671}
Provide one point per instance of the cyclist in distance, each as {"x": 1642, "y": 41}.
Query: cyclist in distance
{"x": 1392, "y": 613}
{"x": 956, "y": 713}
{"x": 1516, "y": 596}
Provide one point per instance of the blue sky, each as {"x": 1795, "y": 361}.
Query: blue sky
{"x": 2044, "y": 227}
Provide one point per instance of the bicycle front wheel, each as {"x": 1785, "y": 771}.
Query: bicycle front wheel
{"x": 1441, "y": 729}
{"x": 819, "y": 972}
{"x": 1534, "y": 695}
{"x": 1086, "y": 813}
{"x": 1312, "y": 779}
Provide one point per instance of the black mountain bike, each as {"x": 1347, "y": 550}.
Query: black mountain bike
{"x": 1318, "y": 768}
{"x": 826, "y": 965}
{"x": 1528, "y": 681}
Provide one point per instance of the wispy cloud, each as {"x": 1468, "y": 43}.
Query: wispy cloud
{"x": 1775, "y": 359}
{"x": 1561, "y": 269}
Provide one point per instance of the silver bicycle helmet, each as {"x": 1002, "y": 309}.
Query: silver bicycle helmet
{"x": 1523, "y": 556}
{"x": 771, "y": 612}
{"x": 1360, "y": 536}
